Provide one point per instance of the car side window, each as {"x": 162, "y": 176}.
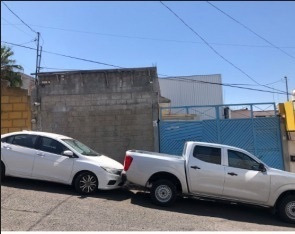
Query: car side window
{"x": 51, "y": 146}
{"x": 24, "y": 140}
{"x": 8, "y": 139}
{"x": 208, "y": 154}
{"x": 240, "y": 160}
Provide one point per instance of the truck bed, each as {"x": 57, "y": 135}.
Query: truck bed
{"x": 154, "y": 153}
{"x": 145, "y": 164}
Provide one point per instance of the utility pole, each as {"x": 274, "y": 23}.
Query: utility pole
{"x": 37, "y": 99}
{"x": 38, "y": 63}
{"x": 286, "y": 79}
{"x": 37, "y": 60}
{"x": 40, "y": 55}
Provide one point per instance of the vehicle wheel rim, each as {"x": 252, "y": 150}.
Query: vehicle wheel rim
{"x": 88, "y": 183}
{"x": 163, "y": 193}
{"x": 290, "y": 210}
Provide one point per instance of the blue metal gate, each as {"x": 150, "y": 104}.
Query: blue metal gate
{"x": 253, "y": 129}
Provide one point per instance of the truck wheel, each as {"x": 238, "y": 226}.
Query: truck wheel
{"x": 163, "y": 193}
{"x": 286, "y": 209}
{"x": 86, "y": 183}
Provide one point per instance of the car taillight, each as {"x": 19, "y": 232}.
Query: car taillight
{"x": 127, "y": 162}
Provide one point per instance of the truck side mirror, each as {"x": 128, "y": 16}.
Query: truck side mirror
{"x": 261, "y": 167}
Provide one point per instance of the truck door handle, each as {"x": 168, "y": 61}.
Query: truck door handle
{"x": 232, "y": 174}
{"x": 195, "y": 167}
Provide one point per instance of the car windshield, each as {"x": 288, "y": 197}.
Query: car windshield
{"x": 80, "y": 147}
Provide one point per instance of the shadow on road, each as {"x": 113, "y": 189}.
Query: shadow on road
{"x": 51, "y": 187}
{"x": 241, "y": 213}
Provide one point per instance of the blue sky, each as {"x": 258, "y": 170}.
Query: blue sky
{"x": 178, "y": 53}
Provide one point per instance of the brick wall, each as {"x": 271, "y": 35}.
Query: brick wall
{"x": 15, "y": 109}
{"x": 109, "y": 110}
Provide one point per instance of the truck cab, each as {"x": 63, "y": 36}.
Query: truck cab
{"x": 224, "y": 171}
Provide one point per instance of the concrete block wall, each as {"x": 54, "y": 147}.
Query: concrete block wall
{"x": 109, "y": 110}
{"x": 15, "y": 109}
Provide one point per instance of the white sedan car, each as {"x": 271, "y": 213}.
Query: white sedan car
{"x": 57, "y": 158}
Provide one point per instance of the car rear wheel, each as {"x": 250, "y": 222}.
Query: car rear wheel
{"x": 86, "y": 183}
{"x": 286, "y": 209}
{"x": 163, "y": 193}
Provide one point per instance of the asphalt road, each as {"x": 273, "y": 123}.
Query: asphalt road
{"x": 28, "y": 205}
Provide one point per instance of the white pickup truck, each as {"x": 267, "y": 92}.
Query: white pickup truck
{"x": 213, "y": 171}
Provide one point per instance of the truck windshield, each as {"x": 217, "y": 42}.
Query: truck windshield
{"x": 80, "y": 147}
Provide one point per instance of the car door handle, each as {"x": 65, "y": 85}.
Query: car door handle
{"x": 195, "y": 167}
{"x": 40, "y": 154}
{"x": 7, "y": 147}
{"x": 232, "y": 174}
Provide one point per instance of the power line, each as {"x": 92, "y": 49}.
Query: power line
{"x": 222, "y": 84}
{"x": 19, "y": 18}
{"x": 146, "y": 39}
{"x": 232, "y": 84}
{"x": 249, "y": 29}
{"x": 16, "y": 27}
{"x": 68, "y": 69}
{"x": 155, "y": 39}
{"x": 24, "y": 43}
{"x": 38, "y": 36}
{"x": 280, "y": 80}
{"x": 39, "y": 52}
{"x": 54, "y": 68}
{"x": 215, "y": 51}
{"x": 82, "y": 59}
{"x": 28, "y": 42}
{"x": 179, "y": 78}
{"x": 63, "y": 55}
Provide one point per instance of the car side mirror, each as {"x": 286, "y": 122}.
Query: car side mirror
{"x": 68, "y": 153}
{"x": 261, "y": 167}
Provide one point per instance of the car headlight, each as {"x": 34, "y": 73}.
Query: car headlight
{"x": 112, "y": 170}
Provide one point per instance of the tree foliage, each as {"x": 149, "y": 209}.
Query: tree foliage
{"x": 9, "y": 69}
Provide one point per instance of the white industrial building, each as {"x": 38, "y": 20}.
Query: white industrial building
{"x": 197, "y": 90}
{"x": 190, "y": 91}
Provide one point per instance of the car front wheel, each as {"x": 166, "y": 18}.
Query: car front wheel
{"x": 86, "y": 183}
{"x": 163, "y": 193}
{"x": 286, "y": 209}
